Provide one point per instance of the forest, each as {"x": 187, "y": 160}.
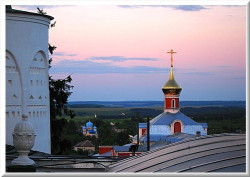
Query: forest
{"x": 220, "y": 119}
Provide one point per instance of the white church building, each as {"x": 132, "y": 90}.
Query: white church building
{"x": 172, "y": 120}
{"x": 27, "y": 74}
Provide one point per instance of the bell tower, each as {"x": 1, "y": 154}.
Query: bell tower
{"x": 171, "y": 90}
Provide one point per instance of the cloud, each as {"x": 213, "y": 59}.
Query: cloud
{"x": 180, "y": 7}
{"x": 189, "y": 7}
{"x": 224, "y": 66}
{"x": 64, "y": 54}
{"x": 121, "y": 58}
{"x": 198, "y": 73}
{"x": 89, "y": 67}
{"x": 240, "y": 77}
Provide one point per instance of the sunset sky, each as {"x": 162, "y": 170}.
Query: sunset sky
{"x": 118, "y": 53}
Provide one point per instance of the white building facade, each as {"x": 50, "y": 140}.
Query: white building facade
{"x": 27, "y": 85}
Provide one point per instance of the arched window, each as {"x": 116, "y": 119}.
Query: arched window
{"x": 173, "y": 103}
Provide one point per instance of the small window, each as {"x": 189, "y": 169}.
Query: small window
{"x": 173, "y": 103}
{"x": 13, "y": 114}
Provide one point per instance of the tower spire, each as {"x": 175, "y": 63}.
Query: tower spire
{"x": 171, "y": 90}
{"x": 171, "y": 53}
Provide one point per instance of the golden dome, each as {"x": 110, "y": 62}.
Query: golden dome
{"x": 171, "y": 86}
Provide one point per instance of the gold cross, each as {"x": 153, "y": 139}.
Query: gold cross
{"x": 172, "y": 52}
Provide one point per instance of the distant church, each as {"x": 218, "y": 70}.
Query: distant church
{"x": 90, "y": 130}
{"x": 172, "y": 120}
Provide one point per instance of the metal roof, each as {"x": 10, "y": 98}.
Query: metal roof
{"x": 142, "y": 125}
{"x": 212, "y": 153}
{"x": 204, "y": 125}
{"x": 126, "y": 148}
{"x": 167, "y": 118}
{"x": 85, "y": 143}
{"x": 15, "y": 11}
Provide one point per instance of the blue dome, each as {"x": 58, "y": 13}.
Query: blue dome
{"x": 89, "y": 124}
{"x": 92, "y": 132}
{"x": 83, "y": 127}
{"x": 95, "y": 127}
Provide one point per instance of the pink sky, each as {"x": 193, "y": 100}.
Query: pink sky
{"x": 122, "y": 50}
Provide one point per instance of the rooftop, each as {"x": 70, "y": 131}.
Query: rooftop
{"x": 10, "y": 10}
{"x": 167, "y": 118}
{"x": 212, "y": 153}
{"x": 85, "y": 143}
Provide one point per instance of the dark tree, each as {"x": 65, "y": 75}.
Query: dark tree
{"x": 59, "y": 94}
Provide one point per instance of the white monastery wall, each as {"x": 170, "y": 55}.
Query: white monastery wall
{"x": 27, "y": 76}
{"x": 160, "y": 129}
{"x": 191, "y": 129}
{"x": 166, "y": 129}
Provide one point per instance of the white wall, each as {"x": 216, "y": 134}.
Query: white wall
{"x": 27, "y": 69}
{"x": 191, "y": 129}
{"x": 160, "y": 129}
{"x": 166, "y": 129}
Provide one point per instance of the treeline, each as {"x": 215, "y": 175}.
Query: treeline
{"x": 86, "y": 106}
{"x": 219, "y": 119}
{"x": 151, "y": 104}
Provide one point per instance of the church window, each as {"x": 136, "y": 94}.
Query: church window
{"x": 31, "y": 97}
{"x": 37, "y": 114}
{"x": 29, "y": 114}
{"x": 34, "y": 59}
{"x": 14, "y": 96}
{"x": 13, "y": 114}
{"x": 173, "y": 103}
{"x": 34, "y": 114}
{"x": 10, "y": 82}
{"x": 18, "y": 113}
{"x": 31, "y": 82}
{"x": 36, "y": 82}
{"x": 41, "y": 82}
{"x": 7, "y": 114}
